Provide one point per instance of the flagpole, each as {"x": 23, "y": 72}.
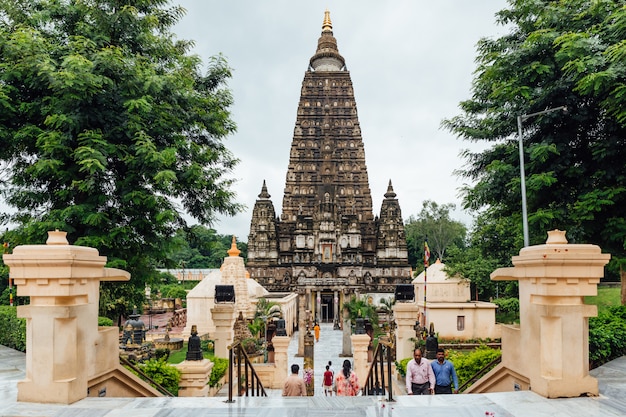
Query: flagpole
{"x": 426, "y": 258}
{"x": 5, "y": 249}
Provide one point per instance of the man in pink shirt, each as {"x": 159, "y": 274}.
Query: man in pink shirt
{"x": 420, "y": 378}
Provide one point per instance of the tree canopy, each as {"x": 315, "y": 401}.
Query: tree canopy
{"x": 200, "y": 247}
{"x": 566, "y": 53}
{"x": 110, "y": 129}
{"x": 435, "y": 224}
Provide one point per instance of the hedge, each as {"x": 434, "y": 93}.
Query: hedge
{"x": 607, "y": 336}
{"x": 468, "y": 364}
{"x": 12, "y": 329}
{"x": 162, "y": 373}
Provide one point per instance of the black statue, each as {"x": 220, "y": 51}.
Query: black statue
{"x": 194, "y": 351}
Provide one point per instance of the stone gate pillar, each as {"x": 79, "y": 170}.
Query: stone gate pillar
{"x": 63, "y": 342}
{"x": 302, "y": 320}
{"x": 554, "y": 320}
{"x": 309, "y": 362}
{"x": 281, "y": 360}
{"x": 346, "y": 345}
{"x": 360, "y": 343}
{"x": 405, "y": 315}
{"x": 224, "y": 318}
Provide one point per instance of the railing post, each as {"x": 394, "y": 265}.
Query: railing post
{"x": 382, "y": 369}
{"x": 230, "y": 375}
{"x": 390, "y": 387}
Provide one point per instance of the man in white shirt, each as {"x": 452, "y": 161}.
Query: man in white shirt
{"x": 420, "y": 378}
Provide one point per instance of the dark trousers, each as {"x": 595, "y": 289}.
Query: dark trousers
{"x": 443, "y": 389}
{"x": 420, "y": 389}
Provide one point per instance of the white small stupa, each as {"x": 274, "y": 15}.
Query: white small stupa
{"x": 450, "y": 308}
{"x": 201, "y": 299}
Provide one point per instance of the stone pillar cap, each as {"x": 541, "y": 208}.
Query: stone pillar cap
{"x": 558, "y": 249}
{"x": 59, "y": 259}
{"x": 556, "y": 259}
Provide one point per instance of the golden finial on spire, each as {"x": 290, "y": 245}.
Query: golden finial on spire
{"x": 327, "y": 25}
{"x": 233, "y": 251}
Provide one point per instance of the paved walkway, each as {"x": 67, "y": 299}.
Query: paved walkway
{"x": 611, "y": 402}
{"x": 327, "y": 349}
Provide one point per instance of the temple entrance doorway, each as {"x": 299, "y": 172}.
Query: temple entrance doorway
{"x": 328, "y": 312}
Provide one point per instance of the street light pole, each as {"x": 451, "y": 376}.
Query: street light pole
{"x": 520, "y": 119}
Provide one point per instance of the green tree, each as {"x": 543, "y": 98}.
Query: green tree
{"x": 200, "y": 247}
{"x": 358, "y": 307}
{"x": 568, "y": 53}
{"x": 433, "y": 222}
{"x": 266, "y": 312}
{"x": 109, "y": 128}
{"x": 492, "y": 242}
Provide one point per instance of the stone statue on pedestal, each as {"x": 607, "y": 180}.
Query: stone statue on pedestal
{"x": 194, "y": 351}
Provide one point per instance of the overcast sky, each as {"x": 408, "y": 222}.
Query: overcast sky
{"x": 411, "y": 63}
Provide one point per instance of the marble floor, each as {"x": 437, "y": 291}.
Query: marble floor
{"x": 610, "y": 402}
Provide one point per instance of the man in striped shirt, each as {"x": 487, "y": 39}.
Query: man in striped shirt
{"x": 420, "y": 379}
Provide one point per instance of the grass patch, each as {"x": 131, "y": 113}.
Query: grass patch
{"x": 607, "y": 297}
{"x": 178, "y": 356}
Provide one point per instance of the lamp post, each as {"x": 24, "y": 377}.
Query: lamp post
{"x": 520, "y": 119}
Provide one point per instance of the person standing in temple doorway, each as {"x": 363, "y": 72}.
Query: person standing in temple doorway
{"x": 316, "y": 329}
{"x": 445, "y": 374}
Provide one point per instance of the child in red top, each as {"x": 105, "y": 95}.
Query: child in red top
{"x": 327, "y": 382}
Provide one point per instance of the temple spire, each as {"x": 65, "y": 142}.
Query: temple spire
{"x": 327, "y": 26}
{"x": 327, "y": 57}
{"x": 264, "y": 194}
{"x": 390, "y": 193}
{"x": 233, "y": 251}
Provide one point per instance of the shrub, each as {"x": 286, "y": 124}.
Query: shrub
{"x": 12, "y": 329}
{"x": 162, "y": 373}
{"x": 162, "y": 353}
{"x": 105, "y": 321}
{"x": 173, "y": 291}
{"x": 508, "y": 310}
{"x": 468, "y": 364}
{"x": 401, "y": 366}
{"x": 220, "y": 366}
{"x": 607, "y": 335}
{"x": 207, "y": 346}
{"x": 507, "y": 305}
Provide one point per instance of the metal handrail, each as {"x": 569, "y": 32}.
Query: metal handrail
{"x": 252, "y": 389}
{"x": 480, "y": 373}
{"x": 377, "y": 383}
{"x": 145, "y": 377}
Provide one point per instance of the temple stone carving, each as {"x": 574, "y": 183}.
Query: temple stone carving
{"x": 327, "y": 238}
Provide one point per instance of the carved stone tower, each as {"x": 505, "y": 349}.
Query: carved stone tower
{"x": 327, "y": 243}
